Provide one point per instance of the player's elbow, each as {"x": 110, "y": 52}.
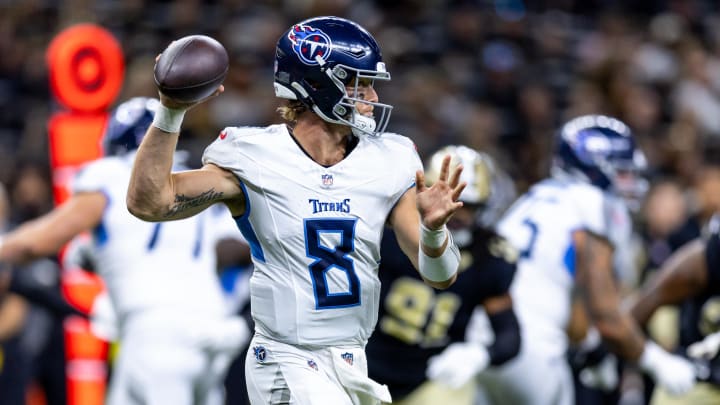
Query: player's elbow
{"x": 142, "y": 209}
{"x": 23, "y": 253}
{"x": 610, "y": 331}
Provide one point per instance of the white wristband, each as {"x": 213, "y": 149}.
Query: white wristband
{"x": 168, "y": 119}
{"x": 440, "y": 268}
{"x": 432, "y": 238}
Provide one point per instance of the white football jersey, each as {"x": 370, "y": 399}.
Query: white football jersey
{"x": 315, "y": 231}
{"x": 145, "y": 265}
{"x": 540, "y": 224}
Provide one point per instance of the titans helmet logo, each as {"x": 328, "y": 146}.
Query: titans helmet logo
{"x": 310, "y": 43}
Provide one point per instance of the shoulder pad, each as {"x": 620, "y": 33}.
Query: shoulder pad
{"x": 241, "y": 132}
{"x": 400, "y": 139}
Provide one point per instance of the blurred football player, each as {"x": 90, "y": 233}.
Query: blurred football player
{"x": 417, "y": 322}
{"x": 571, "y": 230}
{"x": 312, "y": 196}
{"x": 176, "y": 338}
{"x": 691, "y": 273}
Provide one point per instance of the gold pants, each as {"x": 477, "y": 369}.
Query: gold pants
{"x": 701, "y": 394}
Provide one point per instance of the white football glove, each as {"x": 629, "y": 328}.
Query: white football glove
{"x": 676, "y": 374}
{"x": 458, "y": 364}
{"x": 706, "y": 349}
{"x": 603, "y": 376}
{"x": 222, "y": 336}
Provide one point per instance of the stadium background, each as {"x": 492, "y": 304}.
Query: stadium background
{"x": 499, "y": 76}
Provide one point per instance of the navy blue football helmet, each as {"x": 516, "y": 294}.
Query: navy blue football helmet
{"x": 600, "y": 150}
{"x": 317, "y": 59}
{"x": 127, "y": 125}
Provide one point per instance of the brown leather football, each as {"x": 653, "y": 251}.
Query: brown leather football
{"x": 191, "y": 68}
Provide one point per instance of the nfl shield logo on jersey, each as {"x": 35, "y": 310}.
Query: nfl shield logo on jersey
{"x": 348, "y": 357}
{"x": 327, "y": 180}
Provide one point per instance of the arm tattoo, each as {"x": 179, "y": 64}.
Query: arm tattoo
{"x": 184, "y": 203}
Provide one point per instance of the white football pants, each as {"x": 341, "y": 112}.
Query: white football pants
{"x": 278, "y": 373}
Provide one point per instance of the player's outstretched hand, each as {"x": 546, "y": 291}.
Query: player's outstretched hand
{"x": 440, "y": 201}
{"x": 458, "y": 364}
{"x": 706, "y": 349}
{"x": 674, "y": 373}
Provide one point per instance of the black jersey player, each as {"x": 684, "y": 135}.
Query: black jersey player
{"x": 691, "y": 275}
{"x": 417, "y": 322}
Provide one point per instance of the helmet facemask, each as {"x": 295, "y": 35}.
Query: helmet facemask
{"x": 627, "y": 180}
{"x": 346, "y": 111}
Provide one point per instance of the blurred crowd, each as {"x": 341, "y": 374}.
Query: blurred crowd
{"x": 498, "y": 76}
{"x": 495, "y": 75}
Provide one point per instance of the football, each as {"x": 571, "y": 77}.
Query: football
{"x": 191, "y": 68}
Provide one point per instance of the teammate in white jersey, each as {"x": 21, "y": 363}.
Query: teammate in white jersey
{"x": 571, "y": 230}
{"x": 312, "y": 198}
{"x": 176, "y": 338}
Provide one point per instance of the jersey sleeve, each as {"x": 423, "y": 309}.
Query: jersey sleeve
{"x": 603, "y": 215}
{"x": 501, "y": 265}
{"x": 593, "y": 210}
{"x": 235, "y": 149}
{"x": 222, "y": 151}
{"x": 607, "y": 216}
{"x": 408, "y": 161}
{"x": 494, "y": 260}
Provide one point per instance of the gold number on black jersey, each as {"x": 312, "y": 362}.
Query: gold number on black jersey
{"x": 500, "y": 247}
{"x": 709, "y": 322}
{"x": 416, "y": 314}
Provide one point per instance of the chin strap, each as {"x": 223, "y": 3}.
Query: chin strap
{"x": 363, "y": 125}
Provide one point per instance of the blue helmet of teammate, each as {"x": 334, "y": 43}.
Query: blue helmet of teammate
{"x": 318, "y": 60}
{"x": 600, "y": 150}
{"x": 127, "y": 125}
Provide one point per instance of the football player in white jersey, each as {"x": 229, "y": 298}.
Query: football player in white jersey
{"x": 312, "y": 198}
{"x": 176, "y": 338}
{"x": 571, "y": 230}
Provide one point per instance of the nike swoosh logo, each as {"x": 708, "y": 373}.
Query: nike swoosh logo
{"x": 223, "y": 135}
